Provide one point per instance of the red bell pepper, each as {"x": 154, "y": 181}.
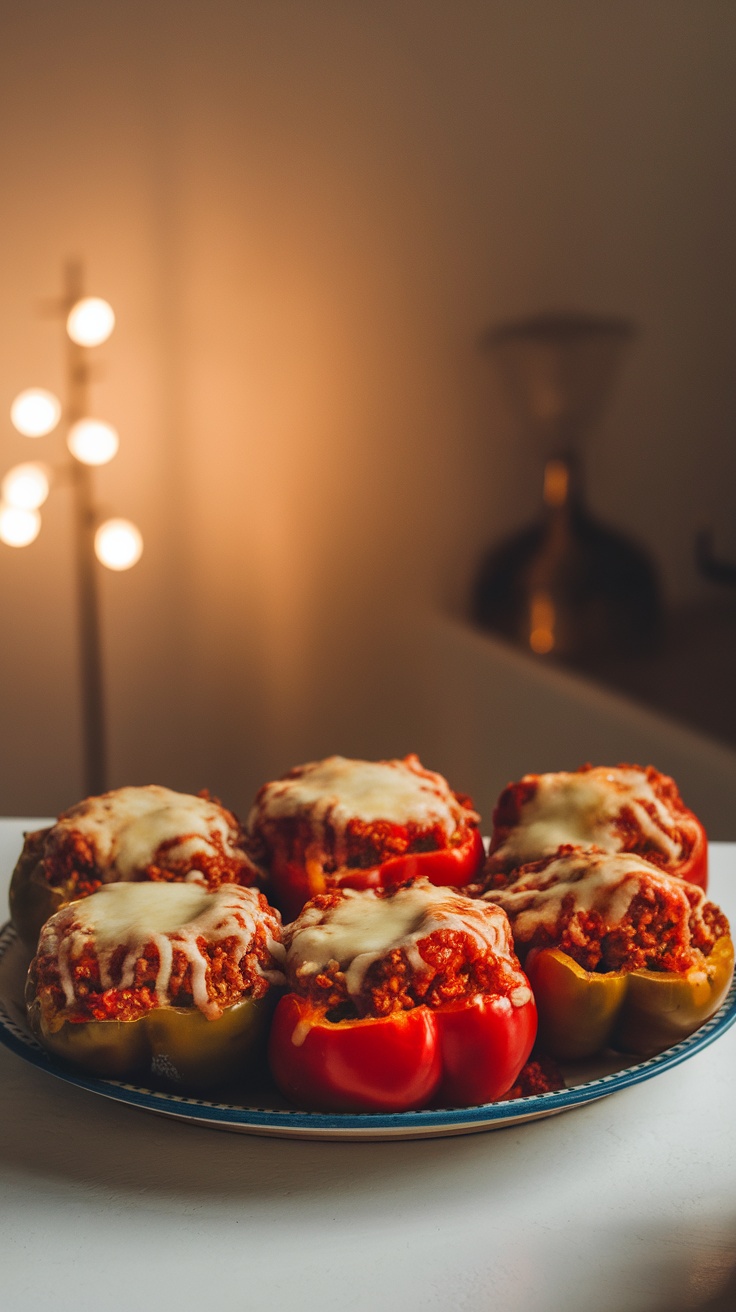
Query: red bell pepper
{"x": 293, "y": 883}
{"x": 695, "y": 868}
{"x": 534, "y": 801}
{"x": 459, "y": 1054}
{"x": 448, "y": 867}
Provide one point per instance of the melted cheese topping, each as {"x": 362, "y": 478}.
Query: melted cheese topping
{"x": 363, "y": 927}
{"x": 366, "y": 790}
{"x": 338, "y": 790}
{"x": 594, "y": 881}
{"x": 168, "y": 916}
{"x": 581, "y": 808}
{"x": 127, "y": 827}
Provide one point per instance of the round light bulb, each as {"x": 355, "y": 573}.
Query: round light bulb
{"x": 90, "y": 321}
{"x": 92, "y": 441}
{"x": 25, "y": 487}
{"x": 118, "y": 544}
{"x": 18, "y": 527}
{"x": 35, "y": 412}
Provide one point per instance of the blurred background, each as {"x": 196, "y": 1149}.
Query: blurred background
{"x": 306, "y": 216}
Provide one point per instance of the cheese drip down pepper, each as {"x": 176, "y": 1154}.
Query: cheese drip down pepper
{"x": 400, "y": 998}
{"x": 161, "y": 979}
{"x": 618, "y": 953}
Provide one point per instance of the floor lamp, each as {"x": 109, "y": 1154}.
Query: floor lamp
{"x": 115, "y": 543}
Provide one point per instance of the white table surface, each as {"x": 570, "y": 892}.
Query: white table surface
{"x": 624, "y": 1205}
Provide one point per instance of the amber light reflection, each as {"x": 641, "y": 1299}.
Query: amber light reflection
{"x": 542, "y": 623}
{"x": 556, "y": 483}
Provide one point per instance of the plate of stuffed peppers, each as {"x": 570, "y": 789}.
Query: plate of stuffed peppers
{"x": 352, "y": 962}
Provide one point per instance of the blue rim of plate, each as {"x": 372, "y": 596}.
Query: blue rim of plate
{"x": 229, "y": 1115}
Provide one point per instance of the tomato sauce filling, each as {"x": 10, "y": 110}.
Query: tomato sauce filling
{"x": 229, "y": 976}
{"x": 666, "y": 926}
{"x": 292, "y": 840}
{"x": 67, "y": 859}
{"x": 443, "y": 966}
{"x": 322, "y": 832}
{"x": 681, "y": 833}
{"x": 540, "y": 1075}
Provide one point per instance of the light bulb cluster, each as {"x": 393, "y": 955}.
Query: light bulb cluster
{"x": 36, "y": 412}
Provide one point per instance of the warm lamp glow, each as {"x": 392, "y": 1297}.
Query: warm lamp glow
{"x": 18, "y": 527}
{"x": 35, "y": 412}
{"x": 556, "y": 483}
{"x": 118, "y": 544}
{"x": 92, "y": 442}
{"x": 542, "y": 624}
{"x": 90, "y": 321}
{"x": 25, "y": 487}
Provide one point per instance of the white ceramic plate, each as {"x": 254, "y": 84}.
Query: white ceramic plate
{"x": 266, "y": 1114}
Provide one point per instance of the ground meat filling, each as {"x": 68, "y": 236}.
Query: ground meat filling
{"x": 77, "y": 857}
{"x": 626, "y": 808}
{"x": 362, "y": 844}
{"x": 608, "y": 912}
{"x": 458, "y": 956}
{"x": 287, "y": 825}
{"x": 77, "y": 978}
{"x": 541, "y": 1075}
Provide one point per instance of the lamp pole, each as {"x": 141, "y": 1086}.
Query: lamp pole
{"x": 85, "y": 524}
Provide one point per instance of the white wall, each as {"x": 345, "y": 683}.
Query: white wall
{"x": 305, "y": 214}
{"x": 496, "y": 715}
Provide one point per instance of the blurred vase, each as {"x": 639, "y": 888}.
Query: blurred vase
{"x": 566, "y": 586}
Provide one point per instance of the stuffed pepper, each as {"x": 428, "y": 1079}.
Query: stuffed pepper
{"x": 147, "y": 833}
{"x": 620, "y": 808}
{"x": 157, "y": 979}
{"x": 342, "y": 823}
{"x": 400, "y": 998}
{"x": 618, "y": 953}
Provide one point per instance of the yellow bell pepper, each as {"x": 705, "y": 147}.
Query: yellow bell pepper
{"x": 178, "y": 1045}
{"x": 32, "y": 898}
{"x": 639, "y": 1011}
